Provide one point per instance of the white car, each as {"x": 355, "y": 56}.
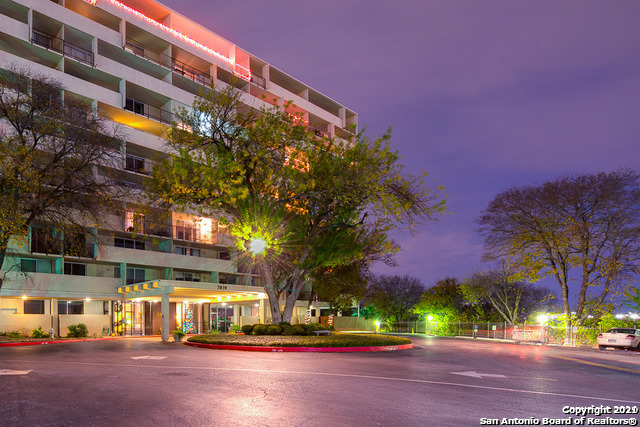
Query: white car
{"x": 619, "y": 337}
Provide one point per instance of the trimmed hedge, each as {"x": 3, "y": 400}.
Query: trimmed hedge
{"x": 335, "y": 340}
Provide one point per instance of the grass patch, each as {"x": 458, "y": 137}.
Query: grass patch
{"x": 334, "y": 340}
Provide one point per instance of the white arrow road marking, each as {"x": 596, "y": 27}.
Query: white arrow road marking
{"x": 149, "y": 357}
{"x": 475, "y": 374}
{"x": 10, "y": 372}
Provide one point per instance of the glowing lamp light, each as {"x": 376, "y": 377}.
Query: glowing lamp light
{"x": 24, "y": 297}
{"x": 543, "y": 318}
{"x": 261, "y": 295}
{"x": 429, "y": 318}
{"x": 620, "y": 316}
{"x": 257, "y": 246}
{"x": 634, "y": 316}
{"x": 87, "y": 299}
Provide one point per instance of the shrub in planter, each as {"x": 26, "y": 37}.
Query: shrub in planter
{"x": 247, "y": 329}
{"x": 274, "y": 330}
{"x": 259, "y": 329}
{"x": 296, "y": 330}
{"x": 39, "y": 333}
{"x": 78, "y": 331}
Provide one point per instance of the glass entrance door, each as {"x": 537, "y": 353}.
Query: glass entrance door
{"x": 221, "y": 317}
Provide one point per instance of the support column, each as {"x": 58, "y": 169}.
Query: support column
{"x": 262, "y": 311}
{"x": 164, "y": 308}
{"x": 236, "y": 314}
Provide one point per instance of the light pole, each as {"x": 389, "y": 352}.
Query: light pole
{"x": 429, "y": 319}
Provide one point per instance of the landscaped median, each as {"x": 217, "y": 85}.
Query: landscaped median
{"x": 336, "y": 342}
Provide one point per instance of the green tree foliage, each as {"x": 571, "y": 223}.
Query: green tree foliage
{"x": 582, "y": 230}
{"x": 342, "y": 286}
{"x": 395, "y": 297}
{"x": 444, "y": 301}
{"x": 54, "y": 156}
{"x": 315, "y": 203}
{"x": 514, "y": 300}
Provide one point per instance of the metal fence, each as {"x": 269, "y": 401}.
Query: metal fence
{"x": 522, "y": 332}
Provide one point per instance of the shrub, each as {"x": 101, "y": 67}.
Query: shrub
{"x": 297, "y": 330}
{"x": 39, "y": 333}
{"x": 283, "y": 324}
{"x": 274, "y": 330}
{"x": 247, "y": 329}
{"x": 15, "y": 334}
{"x": 259, "y": 329}
{"x": 178, "y": 333}
{"x": 78, "y": 331}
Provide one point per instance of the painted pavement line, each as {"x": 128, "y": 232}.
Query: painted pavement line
{"x": 328, "y": 374}
{"x": 600, "y": 365}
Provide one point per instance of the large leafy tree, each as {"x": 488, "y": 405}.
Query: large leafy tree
{"x": 54, "y": 158}
{"x": 511, "y": 298}
{"x": 310, "y": 202}
{"x": 444, "y": 301}
{"x": 395, "y": 297}
{"x": 582, "y": 230}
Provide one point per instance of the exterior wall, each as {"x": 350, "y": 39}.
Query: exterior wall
{"x": 95, "y": 323}
{"x": 24, "y": 323}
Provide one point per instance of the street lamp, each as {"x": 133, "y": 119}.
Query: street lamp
{"x": 257, "y": 246}
{"x": 377, "y": 323}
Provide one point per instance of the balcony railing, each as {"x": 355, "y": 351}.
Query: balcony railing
{"x": 166, "y": 61}
{"x": 61, "y": 46}
{"x": 149, "y": 111}
{"x": 139, "y": 164}
{"x": 259, "y": 81}
{"x": 191, "y": 73}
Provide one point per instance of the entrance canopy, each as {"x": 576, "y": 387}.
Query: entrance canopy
{"x": 196, "y": 292}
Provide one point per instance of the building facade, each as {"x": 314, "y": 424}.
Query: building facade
{"x": 136, "y": 62}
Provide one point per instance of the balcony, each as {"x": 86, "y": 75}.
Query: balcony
{"x": 259, "y": 81}
{"x": 168, "y": 62}
{"x": 149, "y": 111}
{"x": 139, "y": 165}
{"x": 191, "y": 73}
{"x": 63, "y": 47}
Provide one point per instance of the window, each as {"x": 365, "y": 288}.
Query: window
{"x": 134, "y": 221}
{"x": 70, "y": 307}
{"x": 33, "y": 306}
{"x": 135, "y": 106}
{"x": 44, "y": 240}
{"x": 117, "y": 273}
{"x": 181, "y": 250}
{"x": 135, "y": 275}
{"x": 75, "y": 269}
{"x": 128, "y": 243}
{"x": 225, "y": 256}
{"x": 185, "y": 231}
{"x": 75, "y": 244}
{"x": 187, "y": 277}
{"x": 35, "y": 266}
{"x": 134, "y": 163}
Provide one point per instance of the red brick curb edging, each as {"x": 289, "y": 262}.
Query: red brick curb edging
{"x": 17, "y": 344}
{"x": 302, "y": 349}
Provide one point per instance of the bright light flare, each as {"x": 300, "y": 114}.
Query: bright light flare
{"x": 257, "y": 246}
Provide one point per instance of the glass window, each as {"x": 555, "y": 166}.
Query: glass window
{"x": 195, "y": 252}
{"x": 180, "y": 250}
{"x": 135, "y": 275}
{"x": 117, "y": 273}
{"x": 75, "y": 307}
{"x": 75, "y": 269}
{"x": 35, "y": 266}
{"x": 33, "y": 306}
{"x": 119, "y": 242}
{"x": 62, "y": 307}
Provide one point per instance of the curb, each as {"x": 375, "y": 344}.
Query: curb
{"x": 302, "y": 349}
{"x": 19, "y": 344}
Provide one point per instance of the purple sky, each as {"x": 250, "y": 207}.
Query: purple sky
{"x": 483, "y": 95}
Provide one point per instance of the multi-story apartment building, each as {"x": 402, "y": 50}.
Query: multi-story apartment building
{"x": 137, "y": 61}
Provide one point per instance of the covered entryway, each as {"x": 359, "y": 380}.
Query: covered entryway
{"x": 161, "y": 306}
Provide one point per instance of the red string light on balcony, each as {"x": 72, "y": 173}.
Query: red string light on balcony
{"x": 238, "y": 69}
